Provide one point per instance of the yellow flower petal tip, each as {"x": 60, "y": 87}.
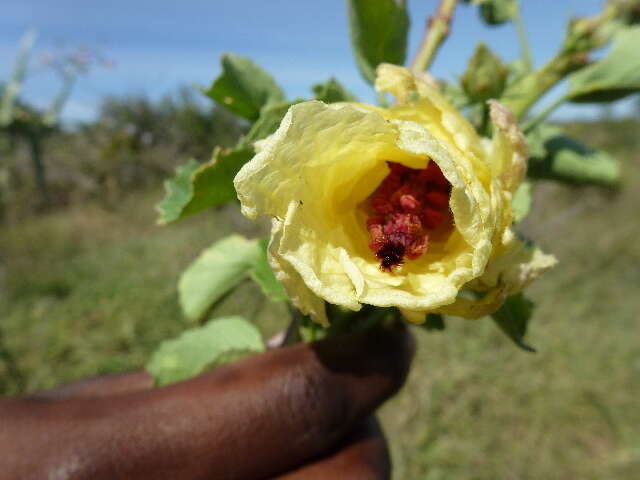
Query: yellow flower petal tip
{"x": 401, "y": 207}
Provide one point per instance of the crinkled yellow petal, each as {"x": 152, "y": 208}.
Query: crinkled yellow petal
{"x": 314, "y": 174}
{"x": 301, "y": 297}
{"x": 516, "y": 266}
{"x": 472, "y": 309}
{"x": 420, "y": 100}
{"x": 506, "y": 274}
{"x": 509, "y": 150}
{"x": 402, "y": 83}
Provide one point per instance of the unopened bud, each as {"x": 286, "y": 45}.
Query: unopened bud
{"x": 486, "y": 75}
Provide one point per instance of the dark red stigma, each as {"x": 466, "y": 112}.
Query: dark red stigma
{"x": 390, "y": 255}
{"x": 407, "y": 206}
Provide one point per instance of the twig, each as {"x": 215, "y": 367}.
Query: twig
{"x": 542, "y": 116}
{"x": 438, "y": 27}
{"x": 522, "y": 38}
{"x": 11, "y": 365}
{"x": 581, "y": 38}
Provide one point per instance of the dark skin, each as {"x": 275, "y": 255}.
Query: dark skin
{"x": 301, "y": 412}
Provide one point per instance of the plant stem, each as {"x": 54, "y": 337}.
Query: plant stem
{"x": 583, "y": 36}
{"x": 13, "y": 86}
{"x": 539, "y": 118}
{"x": 11, "y": 365}
{"x": 382, "y": 100}
{"x": 292, "y": 332}
{"x": 522, "y": 38}
{"x": 520, "y": 96}
{"x": 35, "y": 138}
{"x": 50, "y": 118}
{"x": 438, "y": 27}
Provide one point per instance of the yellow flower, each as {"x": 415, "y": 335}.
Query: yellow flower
{"x": 356, "y": 196}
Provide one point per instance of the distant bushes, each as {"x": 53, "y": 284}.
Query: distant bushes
{"x": 133, "y": 144}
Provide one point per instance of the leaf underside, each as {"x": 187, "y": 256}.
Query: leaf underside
{"x": 196, "y": 350}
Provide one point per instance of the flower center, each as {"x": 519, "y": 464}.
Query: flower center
{"x": 405, "y": 209}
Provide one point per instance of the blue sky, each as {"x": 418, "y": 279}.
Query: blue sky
{"x": 159, "y": 45}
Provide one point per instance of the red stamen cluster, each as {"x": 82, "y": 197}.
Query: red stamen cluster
{"x": 404, "y": 208}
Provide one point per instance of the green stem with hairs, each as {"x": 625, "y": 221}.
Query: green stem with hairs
{"x": 382, "y": 99}
{"x": 542, "y": 116}
{"x": 436, "y": 32}
{"x": 13, "y": 86}
{"x": 522, "y": 38}
{"x": 583, "y": 36}
{"x": 520, "y": 96}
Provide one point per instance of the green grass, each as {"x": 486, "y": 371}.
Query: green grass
{"x": 87, "y": 291}
{"x": 91, "y": 291}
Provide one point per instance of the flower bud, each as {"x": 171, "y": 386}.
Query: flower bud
{"x": 486, "y": 75}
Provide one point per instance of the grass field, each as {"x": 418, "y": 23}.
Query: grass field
{"x": 87, "y": 291}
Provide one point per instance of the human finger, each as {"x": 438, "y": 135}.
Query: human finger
{"x": 101, "y": 386}
{"x": 363, "y": 455}
{"x": 252, "y": 419}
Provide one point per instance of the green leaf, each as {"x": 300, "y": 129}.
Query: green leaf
{"x": 196, "y": 350}
{"x": 263, "y": 275}
{"x": 614, "y": 77}
{"x": 243, "y": 87}
{"x": 495, "y": 12}
{"x": 332, "y": 91}
{"x": 537, "y": 138}
{"x": 178, "y": 192}
{"x": 513, "y": 318}
{"x": 379, "y": 31}
{"x": 269, "y": 121}
{"x": 559, "y": 157}
{"x": 216, "y": 271}
{"x": 521, "y": 202}
{"x": 197, "y": 187}
{"x": 486, "y": 75}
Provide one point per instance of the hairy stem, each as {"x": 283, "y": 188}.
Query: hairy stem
{"x": 522, "y": 38}
{"x": 35, "y": 138}
{"x": 437, "y": 30}
{"x": 520, "y": 96}
{"x": 382, "y": 100}
{"x": 11, "y": 365}
{"x": 13, "y": 86}
{"x": 583, "y": 36}
{"x": 542, "y": 116}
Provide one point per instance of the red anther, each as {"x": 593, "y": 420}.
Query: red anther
{"x": 381, "y": 205}
{"x": 418, "y": 247}
{"x": 390, "y": 184}
{"x": 397, "y": 167}
{"x": 435, "y": 176}
{"x": 402, "y": 223}
{"x": 432, "y": 218}
{"x": 375, "y": 221}
{"x": 409, "y": 204}
{"x": 377, "y": 237}
{"x": 437, "y": 199}
{"x": 423, "y": 175}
